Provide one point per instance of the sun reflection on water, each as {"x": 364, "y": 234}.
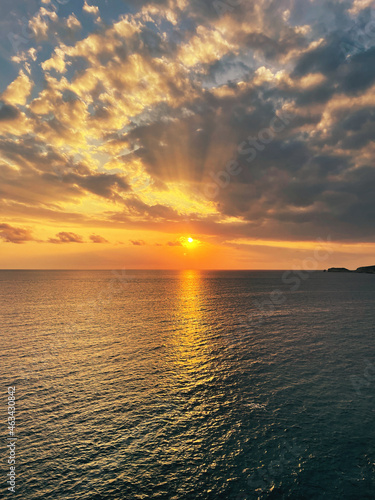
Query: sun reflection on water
{"x": 190, "y": 341}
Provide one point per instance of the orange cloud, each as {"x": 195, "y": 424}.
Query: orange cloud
{"x": 138, "y": 243}
{"x": 19, "y": 90}
{"x": 98, "y": 239}
{"x": 66, "y": 237}
{"x": 17, "y": 235}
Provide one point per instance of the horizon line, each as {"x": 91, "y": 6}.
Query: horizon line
{"x": 159, "y": 269}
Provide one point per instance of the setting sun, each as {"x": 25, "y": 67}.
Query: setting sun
{"x": 189, "y": 242}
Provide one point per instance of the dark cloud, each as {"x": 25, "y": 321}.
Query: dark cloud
{"x": 273, "y": 48}
{"x": 8, "y": 112}
{"x": 359, "y": 74}
{"x": 153, "y": 44}
{"x": 105, "y": 185}
{"x": 46, "y": 175}
{"x": 135, "y": 206}
{"x": 326, "y": 59}
{"x": 319, "y": 94}
{"x": 351, "y": 130}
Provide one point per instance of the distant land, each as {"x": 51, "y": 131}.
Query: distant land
{"x": 365, "y": 269}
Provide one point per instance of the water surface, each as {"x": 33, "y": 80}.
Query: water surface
{"x": 176, "y": 385}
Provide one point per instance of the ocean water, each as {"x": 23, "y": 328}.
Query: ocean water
{"x": 188, "y": 385}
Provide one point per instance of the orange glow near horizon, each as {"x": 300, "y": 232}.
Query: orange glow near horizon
{"x": 116, "y": 248}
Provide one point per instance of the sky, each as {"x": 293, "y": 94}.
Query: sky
{"x": 178, "y": 134}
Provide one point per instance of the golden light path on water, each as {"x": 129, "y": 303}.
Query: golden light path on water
{"x": 189, "y": 341}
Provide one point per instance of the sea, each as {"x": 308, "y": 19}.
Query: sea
{"x": 201, "y": 385}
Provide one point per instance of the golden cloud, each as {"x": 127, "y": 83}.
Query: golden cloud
{"x": 19, "y": 90}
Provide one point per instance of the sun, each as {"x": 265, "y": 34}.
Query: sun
{"x": 189, "y": 242}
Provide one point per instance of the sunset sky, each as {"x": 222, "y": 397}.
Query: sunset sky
{"x": 128, "y": 127}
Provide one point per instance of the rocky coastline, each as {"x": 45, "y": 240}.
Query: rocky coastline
{"x": 364, "y": 269}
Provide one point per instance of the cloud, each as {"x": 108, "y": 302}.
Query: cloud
{"x": 18, "y": 91}
{"x": 169, "y": 92}
{"x": 174, "y": 244}
{"x": 207, "y": 46}
{"x": 98, "y": 239}
{"x": 8, "y": 112}
{"x": 138, "y": 243}
{"x": 359, "y": 75}
{"x": 105, "y": 185}
{"x": 17, "y": 235}
{"x": 56, "y": 62}
{"x": 91, "y": 9}
{"x": 134, "y": 206}
{"x": 40, "y": 22}
{"x": 47, "y": 176}
{"x": 66, "y": 237}
{"x": 73, "y": 23}
{"x": 359, "y": 5}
